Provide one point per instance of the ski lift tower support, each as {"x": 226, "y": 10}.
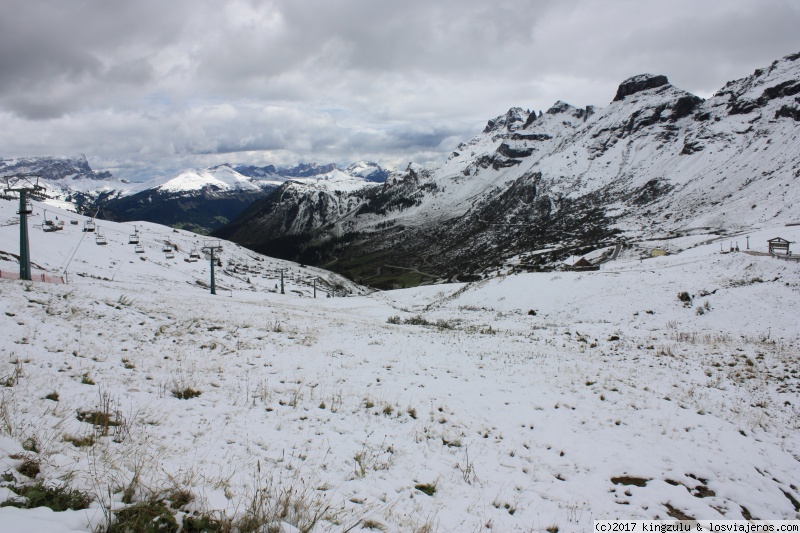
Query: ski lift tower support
{"x": 282, "y": 270}
{"x": 24, "y": 187}
{"x": 211, "y": 247}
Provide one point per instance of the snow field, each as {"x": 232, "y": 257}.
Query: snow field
{"x": 613, "y": 400}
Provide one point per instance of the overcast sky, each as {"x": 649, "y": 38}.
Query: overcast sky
{"x": 148, "y": 87}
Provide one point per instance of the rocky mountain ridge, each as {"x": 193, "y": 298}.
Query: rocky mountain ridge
{"x": 657, "y": 160}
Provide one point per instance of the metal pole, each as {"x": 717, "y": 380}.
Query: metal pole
{"x": 315, "y": 287}
{"x": 24, "y": 247}
{"x": 748, "y": 242}
{"x": 213, "y": 289}
{"x": 282, "y": 283}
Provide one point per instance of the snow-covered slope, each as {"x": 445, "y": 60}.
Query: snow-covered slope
{"x": 527, "y": 402}
{"x": 74, "y": 253}
{"x": 656, "y": 161}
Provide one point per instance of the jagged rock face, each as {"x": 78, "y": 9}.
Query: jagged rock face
{"x": 256, "y": 172}
{"x": 70, "y": 179}
{"x": 305, "y": 170}
{"x": 656, "y": 161}
{"x": 52, "y": 168}
{"x": 639, "y": 83}
{"x": 514, "y": 119}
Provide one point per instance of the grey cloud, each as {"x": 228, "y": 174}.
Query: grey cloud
{"x": 148, "y": 84}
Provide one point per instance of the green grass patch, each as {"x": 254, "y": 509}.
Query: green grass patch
{"x": 147, "y": 516}
{"x": 59, "y": 498}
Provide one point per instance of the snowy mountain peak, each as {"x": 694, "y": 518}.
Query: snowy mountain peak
{"x": 368, "y": 171}
{"x": 781, "y": 79}
{"x": 639, "y": 83}
{"x": 515, "y": 118}
{"x": 218, "y": 178}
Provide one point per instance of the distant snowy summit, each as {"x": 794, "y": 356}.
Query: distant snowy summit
{"x": 53, "y": 168}
{"x": 62, "y": 173}
{"x": 366, "y": 170}
{"x": 221, "y": 178}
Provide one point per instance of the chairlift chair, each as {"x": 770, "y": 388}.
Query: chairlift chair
{"x": 73, "y": 222}
{"x": 166, "y": 248}
{"x": 89, "y": 226}
{"x": 100, "y": 239}
{"x": 134, "y": 238}
{"x": 194, "y": 254}
{"x": 51, "y": 225}
{"x": 139, "y": 249}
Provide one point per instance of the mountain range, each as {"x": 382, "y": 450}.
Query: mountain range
{"x": 533, "y": 188}
{"x": 199, "y": 200}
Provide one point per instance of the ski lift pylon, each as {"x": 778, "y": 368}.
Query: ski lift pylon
{"x": 28, "y": 209}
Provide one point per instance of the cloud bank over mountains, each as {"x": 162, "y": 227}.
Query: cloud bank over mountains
{"x": 145, "y": 88}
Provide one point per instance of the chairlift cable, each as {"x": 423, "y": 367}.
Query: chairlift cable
{"x": 83, "y": 234}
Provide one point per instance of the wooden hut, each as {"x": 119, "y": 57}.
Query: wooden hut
{"x": 581, "y": 263}
{"x": 779, "y": 246}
